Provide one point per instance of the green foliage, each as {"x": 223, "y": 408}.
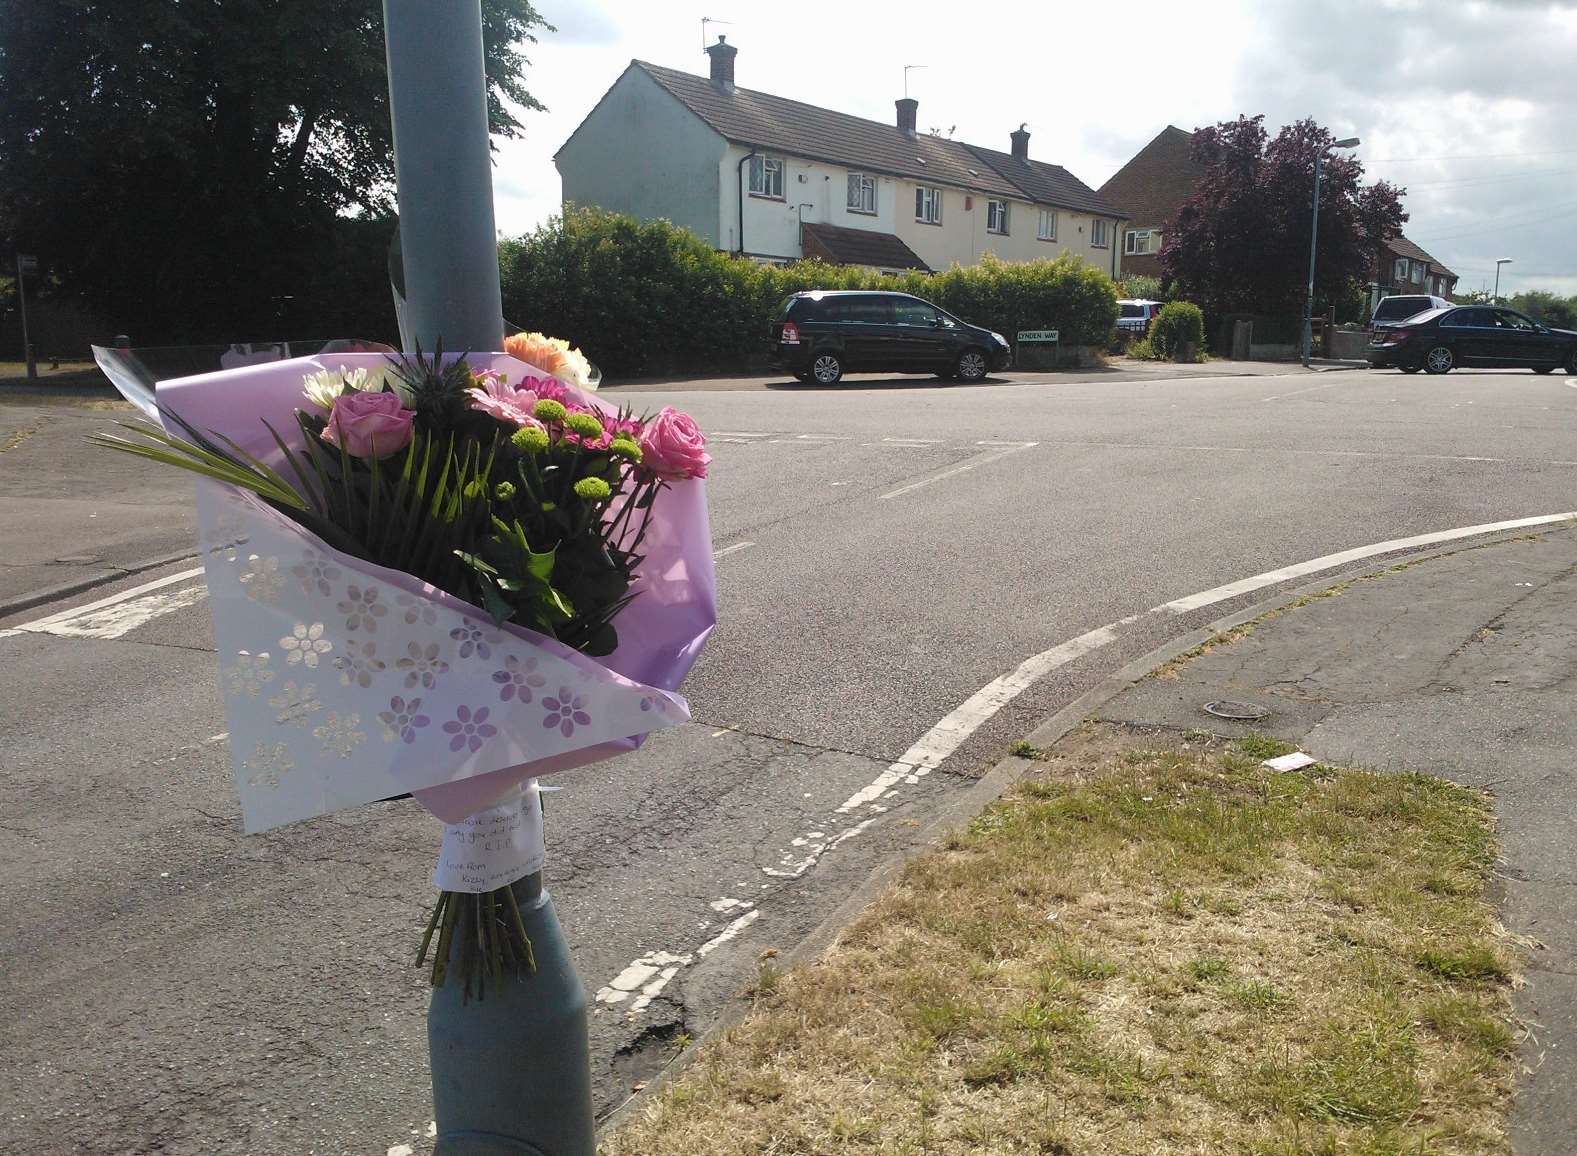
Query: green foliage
{"x": 649, "y": 297}
{"x": 525, "y": 534}
{"x": 215, "y": 172}
{"x": 1178, "y": 325}
{"x": 1139, "y": 287}
{"x": 1144, "y": 350}
{"x": 1559, "y": 312}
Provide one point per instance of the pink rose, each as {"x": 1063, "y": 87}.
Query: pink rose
{"x": 369, "y": 425}
{"x": 673, "y": 448}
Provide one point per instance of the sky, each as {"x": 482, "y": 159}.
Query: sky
{"x": 1470, "y": 105}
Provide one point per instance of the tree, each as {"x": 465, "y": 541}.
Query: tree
{"x": 1560, "y": 312}
{"x": 1240, "y": 243}
{"x": 188, "y": 168}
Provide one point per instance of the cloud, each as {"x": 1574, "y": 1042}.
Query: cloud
{"x": 1437, "y": 89}
{"x": 1466, "y": 105}
{"x": 578, "y": 22}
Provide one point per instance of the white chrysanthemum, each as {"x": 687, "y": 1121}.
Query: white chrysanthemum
{"x": 323, "y": 387}
{"x": 367, "y": 380}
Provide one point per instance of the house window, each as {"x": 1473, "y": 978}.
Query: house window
{"x": 928, "y": 205}
{"x": 766, "y": 177}
{"x": 1098, "y": 232}
{"x": 1046, "y": 230}
{"x": 1418, "y": 273}
{"x": 1399, "y": 273}
{"x": 862, "y": 193}
{"x": 997, "y": 217}
{"x": 1142, "y": 242}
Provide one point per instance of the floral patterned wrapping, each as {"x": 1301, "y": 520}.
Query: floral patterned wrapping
{"x": 345, "y": 683}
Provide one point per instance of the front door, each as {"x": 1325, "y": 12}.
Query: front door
{"x": 1524, "y": 343}
{"x": 1477, "y": 338}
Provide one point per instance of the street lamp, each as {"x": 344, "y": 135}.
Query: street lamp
{"x": 1314, "y": 233}
{"x": 1498, "y": 263}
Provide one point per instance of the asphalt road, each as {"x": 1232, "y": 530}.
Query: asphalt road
{"x": 885, "y": 553}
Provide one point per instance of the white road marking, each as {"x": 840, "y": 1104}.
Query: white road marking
{"x": 113, "y": 616}
{"x": 972, "y": 464}
{"x": 1571, "y": 381}
{"x": 648, "y": 974}
{"x": 1296, "y": 392}
{"x": 823, "y": 437}
{"x": 738, "y": 433}
{"x": 1331, "y": 561}
{"x": 734, "y": 549}
{"x": 1277, "y": 451}
{"x": 1015, "y": 445}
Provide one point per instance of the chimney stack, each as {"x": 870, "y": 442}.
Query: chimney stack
{"x": 1020, "y": 144}
{"x": 722, "y": 54}
{"x": 908, "y": 107}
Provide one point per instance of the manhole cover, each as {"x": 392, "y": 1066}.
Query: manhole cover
{"x": 1237, "y": 711}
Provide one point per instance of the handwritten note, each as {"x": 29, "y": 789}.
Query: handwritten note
{"x": 494, "y": 847}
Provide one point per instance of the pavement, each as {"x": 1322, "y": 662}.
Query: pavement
{"x": 910, "y": 577}
{"x": 1462, "y": 665}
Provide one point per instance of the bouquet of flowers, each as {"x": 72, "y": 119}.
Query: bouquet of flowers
{"x": 445, "y": 576}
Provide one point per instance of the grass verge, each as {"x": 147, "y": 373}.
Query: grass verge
{"x": 1162, "y": 952}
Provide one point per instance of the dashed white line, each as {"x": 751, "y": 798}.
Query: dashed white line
{"x": 648, "y": 974}
{"x": 734, "y": 549}
{"x": 1296, "y": 392}
{"x": 973, "y": 463}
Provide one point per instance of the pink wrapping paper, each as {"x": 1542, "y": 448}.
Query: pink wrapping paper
{"x": 660, "y": 633}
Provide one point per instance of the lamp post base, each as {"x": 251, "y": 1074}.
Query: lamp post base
{"x": 512, "y": 1070}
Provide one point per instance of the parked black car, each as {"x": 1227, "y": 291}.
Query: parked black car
{"x": 1439, "y": 340}
{"x": 821, "y": 335}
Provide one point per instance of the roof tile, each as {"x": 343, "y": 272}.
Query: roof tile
{"x": 745, "y": 116}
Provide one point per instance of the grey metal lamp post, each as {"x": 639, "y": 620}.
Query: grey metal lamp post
{"x": 1498, "y": 263}
{"x": 1314, "y": 234}
{"x": 511, "y": 1071}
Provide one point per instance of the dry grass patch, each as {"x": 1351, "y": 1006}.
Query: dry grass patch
{"x": 1168, "y": 952}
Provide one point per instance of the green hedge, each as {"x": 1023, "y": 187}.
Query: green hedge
{"x": 653, "y": 298}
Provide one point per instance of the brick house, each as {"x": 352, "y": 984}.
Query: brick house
{"x": 1149, "y": 190}
{"x": 1402, "y": 267}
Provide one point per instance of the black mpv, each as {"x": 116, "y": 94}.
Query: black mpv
{"x": 819, "y": 336}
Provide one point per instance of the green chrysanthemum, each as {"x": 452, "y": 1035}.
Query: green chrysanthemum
{"x": 530, "y": 439}
{"x": 504, "y": 491}
{"x": 585, "y": 425}
{"x": 548, "y": 410}
{"x": 624, "y": 447}
{"x": 593, "y": 489}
